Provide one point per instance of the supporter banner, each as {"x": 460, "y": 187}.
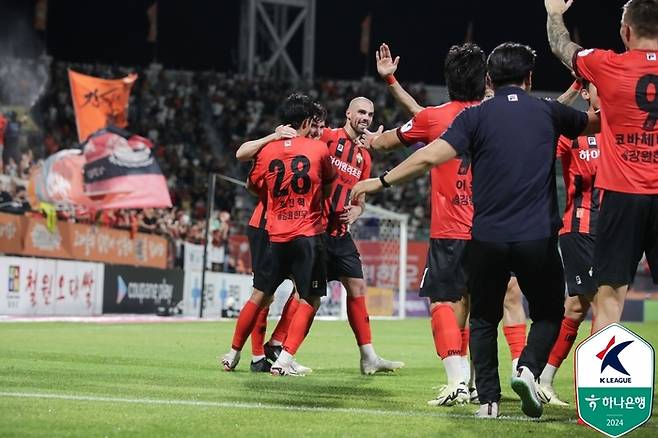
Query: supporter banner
{"x": 130, "y": 289}
{"x": 34, "y": 286}
{"x": 121, "y": 172}
{"x": 99, "y": 102}
{"x": 24, "y": 235}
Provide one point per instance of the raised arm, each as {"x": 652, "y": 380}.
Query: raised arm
{"x": 386, "y": 67}
{"x": 248, "y": 150}
{"x": 569, "y": 96}
{"x": 558, "y": 34}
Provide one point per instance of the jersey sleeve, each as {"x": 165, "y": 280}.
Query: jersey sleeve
{"x": 327, "y": 134}
{"x": 460, "y": 133}
{"x": 563, "y": 146}
{"x": 587, "y": 63}
{"x": 328, "y": 170}
{"x": 258, "y": 170}
{"x": 415, "y": 130}
{"x": 568, "y": 121}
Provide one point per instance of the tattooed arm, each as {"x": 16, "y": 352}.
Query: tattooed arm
{"x": 558, "y": 35}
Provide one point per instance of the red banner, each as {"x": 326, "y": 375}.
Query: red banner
{"x": 22, "y": 235}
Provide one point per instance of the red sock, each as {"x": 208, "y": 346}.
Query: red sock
{"x": 447, "y": 336}
{"x": 245, "y": 324}
{"x": 359, "y": 319}
{"x": 281, "y": 329}
{"x": 515, "y": 335}
{"x": 258, "y": 333}
{"x": 299, "y": 328}
{"x": 564, "y": 342}
{"x": 466, "y": 336}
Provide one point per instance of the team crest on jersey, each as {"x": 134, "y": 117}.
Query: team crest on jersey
{"x": 407, "y": 126}
{"x": 287, "y": 144}
{"x": 585, "y": 52}
{"x": 359, "y": 158}
{"x": 651, "y": 56}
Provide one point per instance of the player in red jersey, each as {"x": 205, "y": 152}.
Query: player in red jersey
{"x": 580, "y": 159}
{"x": 444, "y": 280}
{"x": 628, "y": 167}
{"x": 352, "y": 164}
{"x": 261, "y": 257}
{"x": 296, "y": 174}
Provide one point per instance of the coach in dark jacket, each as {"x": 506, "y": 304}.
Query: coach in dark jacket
{"x": 512, "y": 139}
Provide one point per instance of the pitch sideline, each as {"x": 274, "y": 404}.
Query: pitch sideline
{"x": 240, "y": 405}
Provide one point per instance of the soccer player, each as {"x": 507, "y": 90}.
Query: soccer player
{"x": 627, "y": 170}
{"x": 444, "y": 280}
{"x": 296, "y": 174}
{"x": 261, "y": 256}
{"x": 511, "y": 139}
{"x": 579, "y": 163}
{"x": 352, "y": 163}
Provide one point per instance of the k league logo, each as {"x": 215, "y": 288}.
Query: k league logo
{"x": 614, "y": 380}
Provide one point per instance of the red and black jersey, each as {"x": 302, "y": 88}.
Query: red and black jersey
{"x": 352, "y": 164}
{"x": 451, "y": 196}
{"x": 627, "y": 85}
{"x": 580, "y": 158}
{"x": 258, "y": 217}
{"x": 294, "y": 172}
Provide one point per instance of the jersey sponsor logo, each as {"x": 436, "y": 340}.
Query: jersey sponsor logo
{"x": 407, "y": 126}
{"x": 591, "y": 141}
{"x": 585, "y": 52}
{"x": 513, "y": 98}
{"x": 344, "y": 167}
{"x": 651, "y": 56}
{"x": 588, "y": 154}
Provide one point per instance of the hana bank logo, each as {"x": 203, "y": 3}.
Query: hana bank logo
{"x": 609, "y": 357}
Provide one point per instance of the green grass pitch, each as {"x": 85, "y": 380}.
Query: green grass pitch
{"x": 74, "y": 379}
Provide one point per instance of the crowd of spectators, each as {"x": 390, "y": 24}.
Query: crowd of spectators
{"x": 196, "y": 121}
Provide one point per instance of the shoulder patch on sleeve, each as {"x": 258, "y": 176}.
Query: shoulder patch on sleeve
{"x": 585, "y": 52}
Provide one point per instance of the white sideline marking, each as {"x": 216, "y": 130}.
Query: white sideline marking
{"x": 238, "y": 405}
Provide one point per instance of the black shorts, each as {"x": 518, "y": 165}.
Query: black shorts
{"x": 261, "y": 257}
{"x": 305, "y": 259}
{"x": 445, "y": 275}
{"x": 343, "y": 259}
{"x": 627, "y": 227}
{"x": 578, "y": 257}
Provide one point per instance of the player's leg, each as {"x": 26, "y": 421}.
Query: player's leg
{"x": 308, "y": 268}
{"x": 444, "y": 283}
{"x": 489, "y": 272}
{"x": 623, "y": 226}
{"x": 258, "y": 301}
{"x": 344, "y": 264}
{"x": 259, "y": 362}
{"x": 539, "y": 271}
{"x": 577, "y": 255}
{"x": 514, "y": 321}
{"x": 274, "y": 345}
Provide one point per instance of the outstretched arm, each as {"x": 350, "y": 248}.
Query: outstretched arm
{"x": 249, "y": 149}
{"x": 386, "y": 67}
{"x": 437, "y": 152}
{"x": 558, "y": 34}
{"x": 569, "y": 96}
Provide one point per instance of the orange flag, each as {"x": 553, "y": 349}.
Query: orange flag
{"x": 99, "y": 102}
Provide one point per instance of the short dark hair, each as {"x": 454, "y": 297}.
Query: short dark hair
{"x": 642, "y": 16}
{"x": 465, "y": 72}
{"x": 319, "y": 111}
{"x": 510, "y": 63}
{"x": 295, "y": 109}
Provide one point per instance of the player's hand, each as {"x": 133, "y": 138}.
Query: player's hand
{"x": 557, "y": 6}
{"x": 368, "y": 137}
{"x": 351, "y": 214}
{"x": 370, "y": 185}
{"x": 385, "y": 64}
{"x": 285, "y": 131}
